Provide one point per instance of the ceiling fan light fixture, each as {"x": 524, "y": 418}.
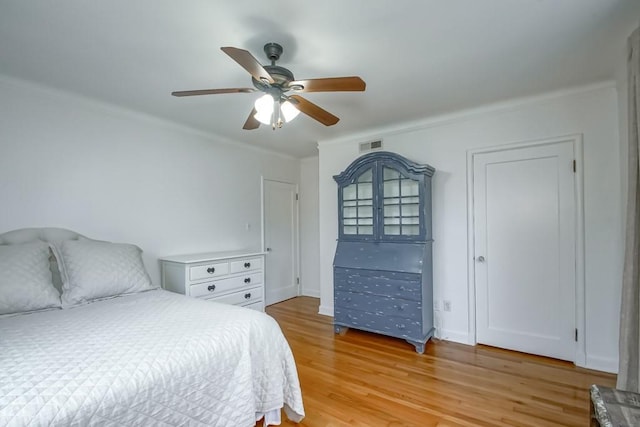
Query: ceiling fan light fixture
{"x": 264, "y": 109}
{"x": 289, "y": 111}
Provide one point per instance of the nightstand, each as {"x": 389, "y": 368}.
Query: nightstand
{"x": 228, "y": 277}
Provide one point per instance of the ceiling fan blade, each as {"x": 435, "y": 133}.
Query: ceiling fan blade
{"x": 252, "y": 122}
{"x": 249, "y": 63}
{"x": 213, "y": 91}
{"x": 332, "y": 84}
{"x": 313, "y": 111}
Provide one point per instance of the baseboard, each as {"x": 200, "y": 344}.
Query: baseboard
{"x": 315, "y": 293}
{"x": 280, "y": 294}
{"x": 453, "y": 336}
{"x": 326, "y": 310}
{"x": 605, "y": 364}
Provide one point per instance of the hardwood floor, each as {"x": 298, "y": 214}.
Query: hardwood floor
{"x": 365, "y": 379}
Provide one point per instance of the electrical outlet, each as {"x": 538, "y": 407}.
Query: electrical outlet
{"x": 436, "y": 305}
{"x": 446, "y": 305}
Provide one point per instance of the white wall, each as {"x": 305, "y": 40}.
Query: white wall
{"x": 116, "y": 175}
{"x": 309, "y": 228}
{"x": 443, "y": 143}
{"x": 623, "y": 87}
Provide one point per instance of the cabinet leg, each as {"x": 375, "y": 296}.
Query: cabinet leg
{"x": 340, "y": 329}
{"x": 418, "y": 345}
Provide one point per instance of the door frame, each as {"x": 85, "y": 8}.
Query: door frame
{"x": 580, "y": 358}
{"x": 296, "y": 252}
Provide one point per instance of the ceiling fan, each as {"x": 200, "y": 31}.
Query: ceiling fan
{"x": 278, "y": 105}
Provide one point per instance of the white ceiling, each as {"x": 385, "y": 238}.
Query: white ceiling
{"x": 418, "y": 57}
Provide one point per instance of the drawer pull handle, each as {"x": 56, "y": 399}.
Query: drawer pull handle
{"x": 247, "y": 280}
{"x": 211, "y": 288}
{"x": 247, "y": 264}
{"x": 247, "y": 295}
{"x": 211, "y": 270}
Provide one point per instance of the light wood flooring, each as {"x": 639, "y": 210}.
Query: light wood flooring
{"x": 365, "y": 379}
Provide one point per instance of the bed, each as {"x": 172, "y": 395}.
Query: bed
{"x": 138, "y": 356}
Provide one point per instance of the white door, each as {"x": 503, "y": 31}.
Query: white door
{"x": 524, "y": 225}
{"x": 280, "y": 240}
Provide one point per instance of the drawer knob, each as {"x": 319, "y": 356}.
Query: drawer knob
{"x": 401, "y": 326}
{"x": 400, "y": 307}
{"x": 211, "y": 270}
{"x": 247, "y": 280}
{"x": 247, "y": 295}
{"x": 348, "y": 299}
{"x": 402, "y": 288}
{"x": 211, "y": 288}
{"x": 247, "y": 264}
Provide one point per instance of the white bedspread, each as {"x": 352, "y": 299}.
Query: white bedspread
{"x": 154, "y": 358}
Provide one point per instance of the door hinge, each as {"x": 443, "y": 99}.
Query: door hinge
{"x": 575, "y": 167}
{"x": 297, "y": 280}
{"x": 296, "y": 196}
{"x": 576, "y": 337}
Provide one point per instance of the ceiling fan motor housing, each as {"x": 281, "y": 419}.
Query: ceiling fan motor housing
{"x": 280, "y": 75}
{"x": 273, "y": 51}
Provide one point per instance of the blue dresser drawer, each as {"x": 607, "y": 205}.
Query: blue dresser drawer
{"x": 383, "y": 283}
{"x": 384, "y": 324}
{"x": 379, "y": 305}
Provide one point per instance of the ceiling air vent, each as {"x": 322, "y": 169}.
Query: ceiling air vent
{"x": 370, "y": 146}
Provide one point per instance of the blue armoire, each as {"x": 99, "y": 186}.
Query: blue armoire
{"x": 382, "y": 271}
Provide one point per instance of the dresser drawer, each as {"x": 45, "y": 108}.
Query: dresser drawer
{"x": 246, "y": 264}
{"x": 390, "y": 284}
{"x": 384, "y": 324}
{"x": 258, "y": 306}
{"x": 246, "y": 296}
{"x": 206, "y": 271}
{"x": 223, "y": 286}
{"x": 379, "y": 305}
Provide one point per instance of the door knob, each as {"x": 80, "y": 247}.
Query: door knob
{"x": 268, "y": 249}
{"x": 480, "y": 258}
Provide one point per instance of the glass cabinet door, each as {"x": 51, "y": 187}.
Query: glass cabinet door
{"x": 400, "y": 204}
{"x": 357, "y": 206}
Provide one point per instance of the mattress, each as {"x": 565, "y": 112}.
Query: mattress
{"x": 153, "y": 358}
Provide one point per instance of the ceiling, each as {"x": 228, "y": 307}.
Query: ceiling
{"x": 419, "y": 58}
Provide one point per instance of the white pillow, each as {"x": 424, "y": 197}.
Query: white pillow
{"x": 93, "y": 270}
{"x": 25, "y": 278}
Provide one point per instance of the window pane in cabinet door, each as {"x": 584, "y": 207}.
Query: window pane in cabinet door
{"x": 392, "y": 221}
{"x": 410, "y": 230}
{"x": 390, "y": 174}
{"x": 365, "y": 191}
{"x": 365, "y": 221}
{"x": 366, "y": 176}
{"x": 391, "y": 211}
{"x": 391, "y": 188}
{"x": 410, "y": 220}
{"x": 410, "y": 209}
{"x": 349, "y": 192}
{"x": 365, "y": 230}
{"x": 352, "y": 229}
{"x": 409, "y": 187}
{"x": 349, "y": 212}
{"x": 392, "y": 230}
